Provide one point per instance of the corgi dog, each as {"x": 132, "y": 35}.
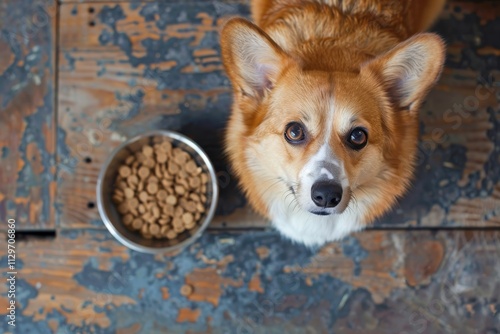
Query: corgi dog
{"x": 324, "y": 124}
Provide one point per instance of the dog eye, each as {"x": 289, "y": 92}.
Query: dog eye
{"x": 357, "y": 138}
{"x": 294, "y": 133}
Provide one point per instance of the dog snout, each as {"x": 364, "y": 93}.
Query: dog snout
{"x": 326, "y": 194}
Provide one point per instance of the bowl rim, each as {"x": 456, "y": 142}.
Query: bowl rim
{"x": 211, "y": 211}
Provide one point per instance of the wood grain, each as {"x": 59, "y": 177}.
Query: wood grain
{"x": 111, "y": 90}
{"x": 125, "y": 69}
{"x": 27, "y": 114}
{"x": 373, "y": 282}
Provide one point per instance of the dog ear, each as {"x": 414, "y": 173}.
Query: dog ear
{"x": 410, "y": 69}
{"x": 251, "y": 58}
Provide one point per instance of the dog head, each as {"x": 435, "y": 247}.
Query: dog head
{"x": 328, "y": 138}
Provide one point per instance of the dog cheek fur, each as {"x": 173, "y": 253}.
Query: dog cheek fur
{"x": 397, "y": 159}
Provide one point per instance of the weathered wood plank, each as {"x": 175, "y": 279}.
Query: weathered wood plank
{"x": 373, "y": 282}
{"x": 458, "y": 173}
{"x": 112, "y": 91}
{"x": 27, "y": 114}
{"x": 128, "y": 68}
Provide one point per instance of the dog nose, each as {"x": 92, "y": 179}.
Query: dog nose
{"x": 326, "y": 194}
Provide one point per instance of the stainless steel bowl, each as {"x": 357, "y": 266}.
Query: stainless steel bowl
{"x": 105, "y": 188}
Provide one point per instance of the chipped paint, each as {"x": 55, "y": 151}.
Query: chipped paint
{"x": 26, "y": 106}
{"x": 82, "y": 289}
{"x": 157, "y": 65}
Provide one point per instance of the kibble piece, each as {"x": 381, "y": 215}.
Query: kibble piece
{"x": 129, "y": 193}
{"x": 143, "y": 196}
{"x": 186, "y": 290}
{"x": 172, "y": 200}
{"x": 182, "y": 181}
{"x": 150, "y": 162}
{"x": 180, "y": 190}
{"x": 173, "y": 168}
{"x": 163, "y": 221}
{"x": 200, "y": 207}
{"x": 191, "y": 167}
{"x": 179, "y": 211}
{"x": 143, "y": 172}
{"x": 124, "y": 171}
{"x": 166, "y": 146}
{"x": 181, "y": 157}
{"x": 130, "y": 160}
{"x": 141, "y": 208}
{"x": 194, "y": 197}
{"x": 190, "y": 226}
{"x": 127, "y": 219}
{"x": 147, "y": 216}
{"x": 140, "y": 157}
{"x": 190, "y": 206}
{"x": 162, "y": 195}
{"x": 183, "y": 174}
{"x": 179, "y": 229}
{"x": 194, "y": 182}
{"x": 137, "y": 224}
{"x": 161, "y": 158}
{"x": 158, "y": 172}
{"x": 183, "y": 202}
{"x": 134, "y": 212}
{"x": 170, "y": 191}
{"x": 152, "y": 188}
{"x": 169, "y": 210}
{"x": 145, "y": 229}
{"x": 123, "y": 208}
{"x": 204, "y": 178}
{"x": 117, "y": 198}
{"x": 166, "y": 174}
{"x": 166, "y": 183}
{"x": 132, "y": 180}
{"x": 197, "y": 216}
{"x": 147, "y": 150}
{"x": 171, "y": 234}
{"x": 156, "y": 212}
{"x": 164, "y": 229}
{"x": 177, "y": 221}
{"x": 187, "y": 218}
{"x": 154, "y": 229}
{"x": 133, "y": 203}
{"x": 153, "y": 178}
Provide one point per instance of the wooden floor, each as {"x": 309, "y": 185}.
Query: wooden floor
{"x": 78, "y": 77}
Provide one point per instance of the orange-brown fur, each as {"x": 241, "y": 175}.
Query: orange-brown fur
{"x": 323, "y": 50}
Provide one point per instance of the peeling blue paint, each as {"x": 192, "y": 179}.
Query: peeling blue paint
{"x": 5, "y": 152}
{"x": 352, "y": 249}
{"x": 71, "y": 60}
{"x": 138, "y": 273}
{"x": 28, "y": 32}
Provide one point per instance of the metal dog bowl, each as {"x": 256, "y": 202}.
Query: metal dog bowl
{"x": 108, "y": 210}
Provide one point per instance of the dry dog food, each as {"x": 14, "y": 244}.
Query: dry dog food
{"x": 160, "y": 191}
